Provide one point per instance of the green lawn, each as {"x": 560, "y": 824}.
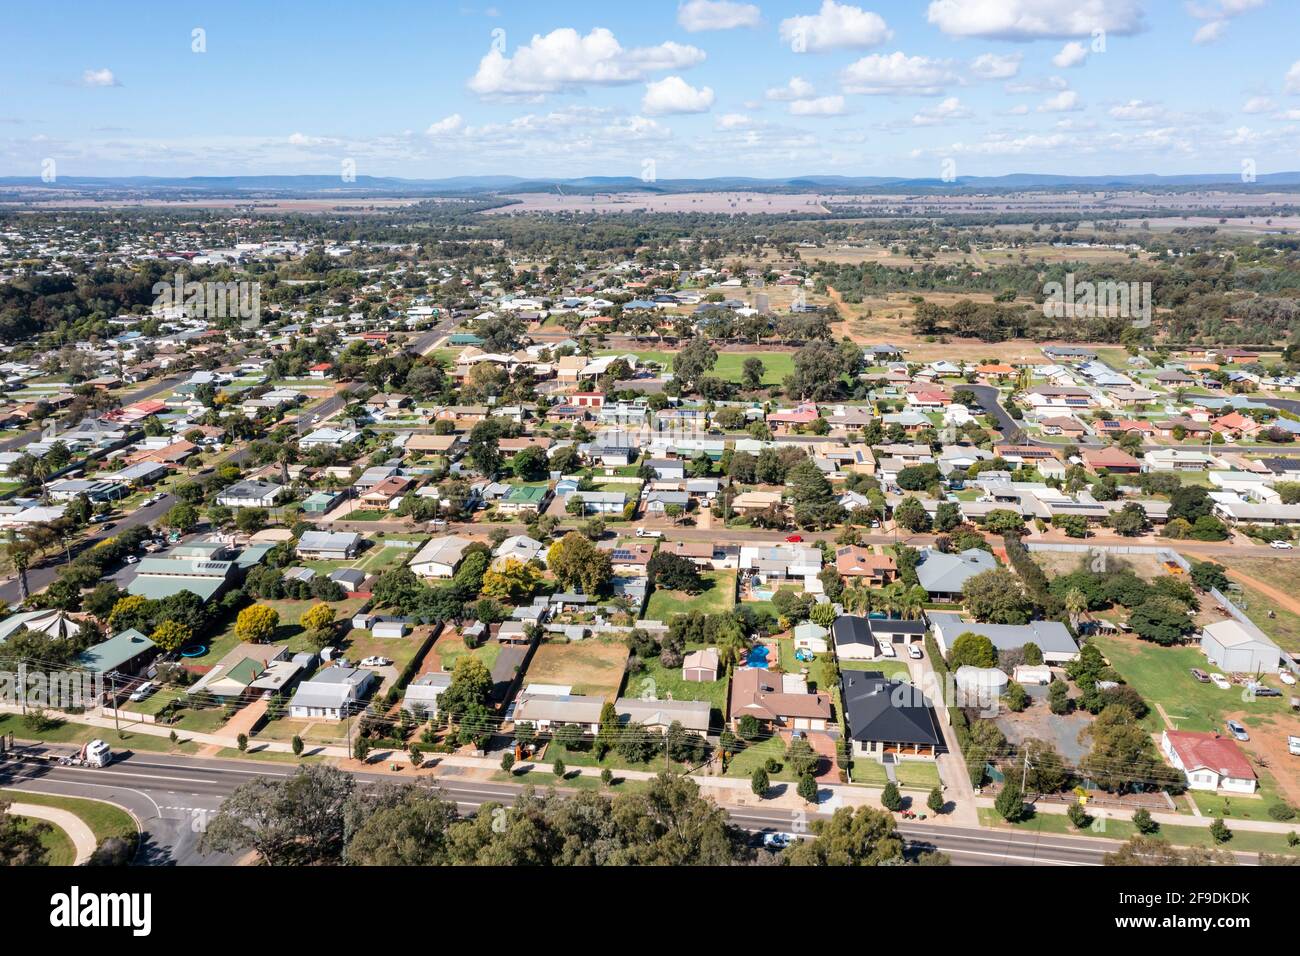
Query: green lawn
{"x": 57, "y": 843}
{"x": 68, "y": 732}
{"x": 1162, "y": 675}
{"x": 755, "y": 755}
{"x": 572, "y": 781}
{"x": 868, "y": 772}
{"x": 668, "y": 683}
{"x": 450, "y": 646}
{"x": 1242, "y": 840}
{"x": 730, "y": 365}
{"x": 891, "y": 669}
{"x": 104, "y": 819}
{"x": 719, "y": 595}
{"x": 917, "y": 774}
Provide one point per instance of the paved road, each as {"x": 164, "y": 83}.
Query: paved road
{"x": 148, "y": 391}
{"x": 173, "y": 796}
{"x": 43, "y": 576}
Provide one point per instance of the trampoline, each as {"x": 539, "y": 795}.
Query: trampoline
{"x": 194, "y": 650}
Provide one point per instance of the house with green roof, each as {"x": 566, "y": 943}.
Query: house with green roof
{"x": 521, "y": 498}
{"x": 128, "y": 652}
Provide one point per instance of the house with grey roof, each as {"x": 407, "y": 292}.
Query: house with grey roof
{"x": 944, "y": 576}
{"x": 659, "y": 715}
{"x": 1052, "y": 637}
{"x": 329, "y": 545}
{"x": 331, "y": 694}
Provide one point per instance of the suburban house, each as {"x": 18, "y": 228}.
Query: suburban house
{"x": 777, "y": 700}
{"x": 250, "y": 494}
{"x": 1240, "y": 649}
{"x": 545, "y": 711}
{"x": 440, "y": 557}
{"x": 860, "y": 638}
{"x": 1211, "y": 762}
{"x": 864, "y": 565}
{"x": 332, "y": 693}
{"x": 888, "y": 720}
{"x": 658, "y": 715}
{"x": 1052, "y": 637}
{"x": 423, "y": 692}
{"x": 329, "y": 545}
{"x": 127, "y": 652}
{"x": 944, "y": 576}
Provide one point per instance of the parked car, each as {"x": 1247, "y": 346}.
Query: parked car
{"x": 1221, "y": 682}
{"x": 143, "y": 691}
{"x": 648, "y": 533}
{"x": 1287, "y": 677}
{"x": 1237, "y": 730}
{"x": 794, "y": 538}
{"x": 1280, "y": 545}
{"x": 1293, "y": 745}
{"x": 132, "y": 559}
{"x": 1200, "y": 675}
{"x": 376, "y": 661}
{"x": 778, "y": 841}
{"x": 914, "y": 652}
{"x": 1262, "y": 691}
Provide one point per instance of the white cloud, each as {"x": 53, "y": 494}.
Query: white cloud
{"x": 897, "y": 73}
{"x": 1064, "y": 102}
{"x": 1042, "y": 84}
{"x": 696, "y": 15}
{"x": 797, "y": 89}
{"x": 1257, "y": 104}
{"x": 1018, "y": 110}
{"x": 947, "y": 111}
{"x": 102, "y": 77}
{"x": 563, "y": 59}
{"x": 820, "y": 106}
{"x": 1293, "y": 78}
{"x": 1210, "y": 32}
{"x": 1035, "y": 19}
{"x": 993, "y": 66}
{"x": 449, "y": 124}
{"x": 1072, "y": 54}
{"x": 734, "y": 121}
{"x": 672, "y": 94}
{"x": 835, "y": 26}
{"x": 1137, "y": 111}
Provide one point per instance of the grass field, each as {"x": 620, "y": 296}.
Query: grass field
{"x": 718, "y": 596}
{"x": 592, "y": 667}
{"x": 730, "y": 366}
{"x": 666, "y": 682}
{"x": 1281, "y": 573}
{"x": 450, "y": 645}
{"x": 1162, "y": 676}
{"x": 68, "y": 732}
{"x": 56, "y": 842}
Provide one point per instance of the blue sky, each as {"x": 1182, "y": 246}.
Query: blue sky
{"x": 698, "y": 88}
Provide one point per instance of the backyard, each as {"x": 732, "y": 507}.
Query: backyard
{"x": 718, "y": 596}
{"x": 593, "y": 667}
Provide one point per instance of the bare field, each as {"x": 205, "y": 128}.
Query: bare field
{"x": 357, "y": 204}
{"x": 590, "y": 667}
{"x": 736, "y": 203}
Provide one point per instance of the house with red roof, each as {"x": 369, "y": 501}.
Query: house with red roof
{"x": 1211, "y": 762}
{"x": 1113, "y": 459}
{"x": 320, "y": 371}
{"x": 788, "y": 418}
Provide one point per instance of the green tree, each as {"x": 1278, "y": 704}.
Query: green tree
{"x": 758, "y": 782}
{"x": 807, "y": 788}
{"x": 1010, "y": 802}
{"x": 935, "y": 801}
{"x": 256, "y": 623}
{"x": 890, "y": 798}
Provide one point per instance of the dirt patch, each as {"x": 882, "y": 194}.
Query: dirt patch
{"x": 591, "y": 667}
{"x": 1267, "y": 749}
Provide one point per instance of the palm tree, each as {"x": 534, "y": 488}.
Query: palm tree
{"x": 913, "y": 602}
{"x": 19, "y": 554}
{"x": 1076, "y": 603}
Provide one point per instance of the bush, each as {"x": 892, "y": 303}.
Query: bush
{"x": 1281, "y": 812}
{"x": 1142, "y": 820}
{"x": 808, "y": 788}
{"x": 1010, "y": 803}
{"x": 935, "y": 800}
{"x": 1219, "y": 830}
{"x": 1078, "y": 815}
{"x": 759, "y": 782}
{"x": 890, "y": 798}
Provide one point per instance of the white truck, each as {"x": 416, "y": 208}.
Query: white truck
{"x": 1293, "y": 745}
{"x": 648, "y": 533}
{"x": 94, "y": 753}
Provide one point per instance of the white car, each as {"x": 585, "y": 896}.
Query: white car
{"x": 914, "y": 652}
{"x": 1280, "y": 545}
{"x": 144, "y": 690}
{"x": 778, "y": 841}
{"x": 376, "y": 662}
{"x": 132, "y": 559}
{"x": 1287, "y": 677}
{"x": 1221, "y": 682}
{"x": 647, "y": 533}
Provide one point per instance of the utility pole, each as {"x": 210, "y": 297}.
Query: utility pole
{"x": 112, "y": 684}
{"x": 1024, "y": 773}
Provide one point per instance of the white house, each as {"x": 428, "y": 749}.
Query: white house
{"x": 440, "y": 557}
{"x": 250, "y": 494}
{"x": 1211, "y": 762}
{"x": 331, "y": 694}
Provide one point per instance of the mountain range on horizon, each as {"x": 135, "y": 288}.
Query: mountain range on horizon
{"x": 314, "y": 184}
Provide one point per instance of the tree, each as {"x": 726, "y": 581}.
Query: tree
{"x": 531, "y": 464}
{"x": 910, "y": 515}
{"x": 1208, "y": 576}
{"x": 758, "y": 782}
{"x": 1004, "y": 521}
{"x": 293, "y": 821}
{"x": 407, "y": 825}
{"x": 297, "y": 745}
{"x": 1141, "y": 850}
{"x": 1143, "y": 821}
{"x": 1078, "y": 815}
{"x": 693, "y": 362}
{"x": 514, "y": 581}
{"x": 815, "y": 502}
{"x": 1161, "y": 620}
{"x": 1017, "y": 698}
{"x": 483, "y": 450}
{"x": 973, "y": 649}
{"x": 508, "y": 761}
{"x": 801, "y": 758}
{"x": 1129, "y": 520}
{"x": 807, "y": 788}
{"x": 256, "y": 623}
{"x": 1219, "y": 830}
{"x": 171, "y": 635}
{"x": 558, "y": 768}
{"x": 579, "y": 564}
{"x": 752, "y": 372}
{"x": 672, "y": 572}
{"x": 997, "y": 596}
{"x": 935, "y": 800}
{"x": 1058, "y": 697}
{"x": 20, "y": 840}
{"x": 182, "y": 517}
{"x": 890, "y": 798}
{"x": 318, "y": 617}
{"x": 1010, "y": 802}
{"x": 471, "y": 682}
{"x": 250, "y": 520}
{"x": 862, "y": 837}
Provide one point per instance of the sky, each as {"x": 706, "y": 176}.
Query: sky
{"x": 917, "y": 88}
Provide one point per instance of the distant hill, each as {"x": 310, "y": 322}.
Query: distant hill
{"x": 335, "y": 187}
